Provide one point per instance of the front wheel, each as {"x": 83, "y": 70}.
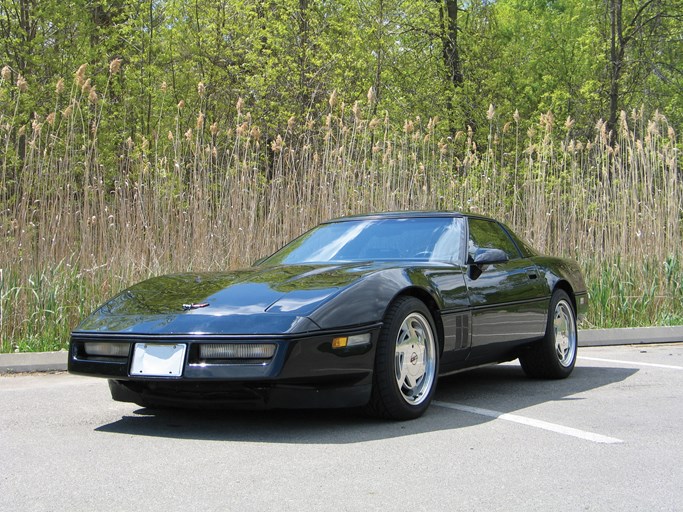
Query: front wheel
{"x": 555, "y": 355}
{"x": 406, "y": 363}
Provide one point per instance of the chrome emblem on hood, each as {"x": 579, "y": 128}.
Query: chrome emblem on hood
{"x": 195, "y": 306}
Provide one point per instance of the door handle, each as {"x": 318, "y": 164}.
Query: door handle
{"x": 532, "y": 273}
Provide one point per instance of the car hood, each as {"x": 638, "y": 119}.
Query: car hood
{"x": 259, "y": 300}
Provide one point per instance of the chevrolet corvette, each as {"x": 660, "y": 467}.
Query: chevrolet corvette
{"x": 364, "y": 311}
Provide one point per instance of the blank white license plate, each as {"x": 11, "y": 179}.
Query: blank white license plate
{"x": 158, "y": 360}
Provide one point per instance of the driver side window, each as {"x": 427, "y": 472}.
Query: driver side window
{"x": 486, "y": 234}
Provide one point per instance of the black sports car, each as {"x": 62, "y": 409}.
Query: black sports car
{"x": 360, "y": 311}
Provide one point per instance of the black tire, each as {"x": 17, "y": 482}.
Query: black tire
{"x": 411, "y": 359}
{"x": 554, "y": 356}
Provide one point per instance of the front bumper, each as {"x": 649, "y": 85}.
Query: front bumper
{"x": 243, "y": 395}
{"x": 304, "y": 372}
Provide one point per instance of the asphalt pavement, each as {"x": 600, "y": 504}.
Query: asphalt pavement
{"x": 608, "y": 438}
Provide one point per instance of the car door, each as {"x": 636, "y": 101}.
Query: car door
{"x": 450, "y": 283}
{"x": 508, "y": 298}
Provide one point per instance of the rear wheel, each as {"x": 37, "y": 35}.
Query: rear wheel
{"x": 555, "y": 355}
{"x": 406, "y": 363}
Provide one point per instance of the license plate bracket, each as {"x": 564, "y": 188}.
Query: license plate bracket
{"x": 158, "y": 359}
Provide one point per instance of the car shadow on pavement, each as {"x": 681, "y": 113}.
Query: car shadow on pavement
{"x": 502, "y": 388}
{"x": 505, "y": 388}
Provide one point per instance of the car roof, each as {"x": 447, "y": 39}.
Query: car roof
{"x": 405, "y": 215}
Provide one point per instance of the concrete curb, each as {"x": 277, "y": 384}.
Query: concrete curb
{"x": 630, "y": 336}
{"x": 27, "y": 362}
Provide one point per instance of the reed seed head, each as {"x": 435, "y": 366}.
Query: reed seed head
{"x": 6, "y": 73}
{"x": 80, "y": 75}
{"x": 277, "y": 145}
{"x": 22, "y": 84}
{"x": 87, "y": 85}
{"x": 356, "y": 111}
{"x": 333, "y": 99}
{"x": 115, "y": 66}
{"x": 372, "y": 95}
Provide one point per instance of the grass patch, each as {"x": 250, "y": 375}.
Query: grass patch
{"x": 627, "y": 294}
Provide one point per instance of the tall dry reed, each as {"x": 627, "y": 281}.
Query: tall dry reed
{"x": 80, "y": 221}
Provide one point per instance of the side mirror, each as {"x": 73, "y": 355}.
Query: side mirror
{"x": 490, "y": 256}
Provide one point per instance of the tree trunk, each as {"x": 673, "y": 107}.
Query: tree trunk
{"x": 616, "y": 60}
{"x": 379, "y": 50}
{"x": 304, "y": 99}
{"x": 451, "y": 53}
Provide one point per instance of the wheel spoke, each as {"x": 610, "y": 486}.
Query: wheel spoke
{"x": 412, "y": 334}
{"x": 410, "y": 381}
{"x": 401, "y": 370}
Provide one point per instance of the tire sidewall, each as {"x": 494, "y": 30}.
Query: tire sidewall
{"x": 385, "y": 367}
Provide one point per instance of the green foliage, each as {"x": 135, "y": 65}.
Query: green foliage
{"x": 285, "y": 58}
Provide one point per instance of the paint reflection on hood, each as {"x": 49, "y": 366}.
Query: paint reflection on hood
{"x": 258, "y": 292}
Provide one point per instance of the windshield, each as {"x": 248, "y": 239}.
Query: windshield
{"x": 420, "y": 239}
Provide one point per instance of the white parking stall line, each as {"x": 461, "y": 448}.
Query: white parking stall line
{"x": 553, "y": 427}
{"x": 631, "y": 363}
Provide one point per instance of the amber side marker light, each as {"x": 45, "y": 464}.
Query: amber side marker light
{"x": 351, "y": 341}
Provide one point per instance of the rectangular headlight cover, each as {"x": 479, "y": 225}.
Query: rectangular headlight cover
{"x": 236, "y": 350}
{"x": 106, "y": 349}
